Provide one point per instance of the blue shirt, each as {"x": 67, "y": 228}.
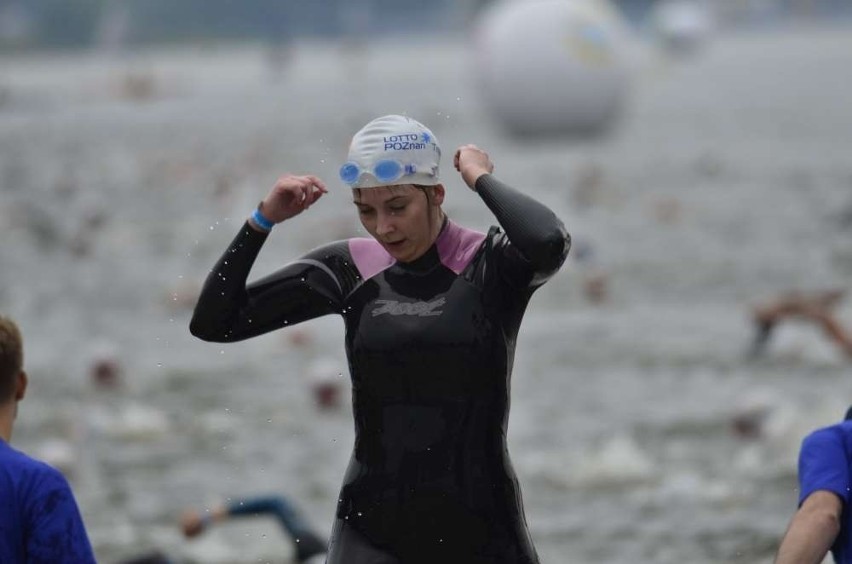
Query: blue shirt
{"x": 825, "y": 464}
{"x": 39, "y": 518}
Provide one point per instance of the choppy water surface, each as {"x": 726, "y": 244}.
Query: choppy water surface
{"x": 729, "y": 180}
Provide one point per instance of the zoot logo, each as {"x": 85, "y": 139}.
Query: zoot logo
{"x": 421, "y": 309}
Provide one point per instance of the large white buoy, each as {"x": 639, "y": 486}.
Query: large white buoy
{"x": 552, "y": 66}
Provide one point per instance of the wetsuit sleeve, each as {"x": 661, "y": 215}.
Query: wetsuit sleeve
{"x": 230, "y": 310}
{"x": 537, "y": 240}
{"x": 55, "y": 533}
{"x": 824, "y": 464}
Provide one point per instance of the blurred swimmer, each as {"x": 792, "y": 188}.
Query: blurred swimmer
{"x": 816, "y": 308}
{"x": 432, "y": 312}
{"x": 306, "y": 543}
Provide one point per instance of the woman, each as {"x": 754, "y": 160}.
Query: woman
{"x": 432, "y": 311}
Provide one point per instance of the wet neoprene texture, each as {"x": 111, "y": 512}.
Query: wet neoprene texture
{"x": 430, "y": 346}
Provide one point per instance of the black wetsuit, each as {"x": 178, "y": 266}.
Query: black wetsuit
{"x": 430, "y": 346}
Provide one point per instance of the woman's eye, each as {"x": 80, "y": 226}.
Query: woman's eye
{"x": 365, "y": 211}
{"x": 397, "y": 208}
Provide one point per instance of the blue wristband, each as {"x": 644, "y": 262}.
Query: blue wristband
{"x": 261, "y": 221}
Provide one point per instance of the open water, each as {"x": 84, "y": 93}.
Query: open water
{"x": 728, "y": 180}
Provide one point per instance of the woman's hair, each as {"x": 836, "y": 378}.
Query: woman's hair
{"x": 11, "y": 357}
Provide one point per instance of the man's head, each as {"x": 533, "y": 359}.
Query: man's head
{"x": 12, "y": 377}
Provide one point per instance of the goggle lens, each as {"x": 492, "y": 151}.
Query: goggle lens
{"x": 387, "y": 171}
{"x": 349, "y": 173}
{"x": 384, "y": 171}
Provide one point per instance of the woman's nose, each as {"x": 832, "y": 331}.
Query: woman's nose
{"x": 384, "y": 224}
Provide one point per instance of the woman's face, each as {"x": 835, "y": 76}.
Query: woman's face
{"x": 401, "y": 218}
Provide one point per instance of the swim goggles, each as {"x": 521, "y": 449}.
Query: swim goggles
{"x": 385, "y": 171}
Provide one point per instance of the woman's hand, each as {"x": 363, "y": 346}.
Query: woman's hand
{"x": 290, "y": 196}
{"x": 472, "y": 162}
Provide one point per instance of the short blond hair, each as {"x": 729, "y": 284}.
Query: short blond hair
{"x": 11, "y": 357}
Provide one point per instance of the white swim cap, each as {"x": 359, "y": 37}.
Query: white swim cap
{"x": 392, "y": 150}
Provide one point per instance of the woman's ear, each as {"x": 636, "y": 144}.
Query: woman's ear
{"x": 438, "y": 194}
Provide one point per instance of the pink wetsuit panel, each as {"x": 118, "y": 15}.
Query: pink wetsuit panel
{"x": 369, "y": 257}
{"x": 457, "y": 246}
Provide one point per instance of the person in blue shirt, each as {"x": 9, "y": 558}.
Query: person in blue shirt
{"x": 40, "y": 522}
{"x": 825, "y": 478}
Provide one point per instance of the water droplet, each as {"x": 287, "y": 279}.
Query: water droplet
{"x": 222, "y": 351}
{"x": 269, "y": 420}
{"x": 297, "y": 540}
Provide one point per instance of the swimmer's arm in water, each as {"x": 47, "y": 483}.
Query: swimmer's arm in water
{"x": 812, "y": 530}
{"x": 532, "y": 228}
{"x": 193, "y": 522}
